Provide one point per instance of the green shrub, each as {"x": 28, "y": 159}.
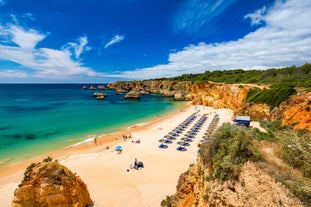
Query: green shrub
{"x": 272, "y": 97}
{"x": 230, "y": 147}
{"x": 296, "y": 152}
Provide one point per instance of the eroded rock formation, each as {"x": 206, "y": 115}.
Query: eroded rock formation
{"x": 132, "y": 95}
{"x": 49, "y": 184}
{"x": 295, "y": 111}
{"x": 253, "y": 188}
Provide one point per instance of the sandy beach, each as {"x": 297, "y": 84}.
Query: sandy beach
{"x": 105, "y": 171}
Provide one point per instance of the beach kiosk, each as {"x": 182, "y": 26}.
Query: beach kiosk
{"x": 242, "y": 120}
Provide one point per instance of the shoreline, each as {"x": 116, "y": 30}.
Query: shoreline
{"x": 106, "y": 172}
{"x": 88, "y": 145}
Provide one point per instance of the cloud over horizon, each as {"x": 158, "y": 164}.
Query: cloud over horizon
{"x": 282, "y": 41}
{"x": 276, "y": 34}
{"x": 18, "y": 45}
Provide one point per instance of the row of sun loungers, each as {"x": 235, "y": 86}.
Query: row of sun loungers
{"x": 190, "y": 135}
{"x": 171, "y": 136}
{"x": 210, "y": 129}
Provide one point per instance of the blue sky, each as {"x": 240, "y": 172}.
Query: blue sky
{"x": 62, "y": 41}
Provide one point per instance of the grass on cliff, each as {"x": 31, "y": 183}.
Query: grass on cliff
{"x": 230, "y": 147}
{"x": 273, "y": 96}
{"x": 290, "y": 161}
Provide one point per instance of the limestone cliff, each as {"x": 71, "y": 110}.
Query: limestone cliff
{"x": 295, "y": 111}
{"x": 219, "y": 95}
{"x": 252, "y": 188}
{"x": 50, "y": 184}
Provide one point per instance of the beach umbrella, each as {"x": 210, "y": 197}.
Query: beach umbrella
{"x": 118, "y": 147}
{"x": 168, "y": 141}
{"x": 163, "y": 146}
{"x": 185, "y": 139}
{"x": 180, "y": 148}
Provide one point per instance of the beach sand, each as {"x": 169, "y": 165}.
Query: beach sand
{"x": 106, "y": 172}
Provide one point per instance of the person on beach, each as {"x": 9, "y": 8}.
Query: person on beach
{"x": 135, "y": 163}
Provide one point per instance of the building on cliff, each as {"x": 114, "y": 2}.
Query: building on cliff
{"x": 242, "y": 120}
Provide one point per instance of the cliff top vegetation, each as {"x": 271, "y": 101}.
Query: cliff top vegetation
{"x": 296, "y": 76}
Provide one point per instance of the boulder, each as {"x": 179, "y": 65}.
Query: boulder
{"x": 132, "y": 95}
{"x": 120, "y": 91}
{"x": 98, "y": 94}
{"x": 168, "y": 93}
{"x": 101, "y": 87}
{"x": 50, "y": 184}
{"x": 143, "y": 92}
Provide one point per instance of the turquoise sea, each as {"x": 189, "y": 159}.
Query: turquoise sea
{"x": 39, "y": 118}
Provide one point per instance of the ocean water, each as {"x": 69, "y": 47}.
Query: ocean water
{"x": 39, "y": 118}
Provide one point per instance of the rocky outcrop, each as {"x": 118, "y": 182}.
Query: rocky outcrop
{"x": 295, "y": 111}
{"x": 132, "y": 95}
{"x": 257, "y": 111}
{"x": 177, "y": 89}
{"x": 99, "y": 96}
{"x": 253, "y": 188}
{"x": 50, "y": 184}
{"x": 101, "y": 87}
{"x": 219, "y": 95}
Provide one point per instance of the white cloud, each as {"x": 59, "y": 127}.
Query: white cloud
{"x": 284, "y": 40}
{"x": 79, "y": 47}
{"x": 13, "y": 74}
{"x": 257, "y": 17}
{"x": 25, "y": 39}
{"x": 197, "y": 17}
{"x": 114, "y": 40}
{"x": 19, "y": 46}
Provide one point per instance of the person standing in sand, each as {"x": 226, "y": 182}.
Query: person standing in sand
{"x": 135, "y": 163}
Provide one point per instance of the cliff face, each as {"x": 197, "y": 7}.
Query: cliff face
{"x": 295, "y": 111}
{"x": 253, "y": 188}
{"x": 219, "y": 95}
{"x": 51, "y": 184}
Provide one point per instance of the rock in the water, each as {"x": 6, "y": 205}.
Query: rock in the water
{"x": 101, "y": 87}
{"x": 92, "y": 88}
{"x": 99, "y": 95}
{"x": 50, "y": 184}
{"x": 132, "y": 95}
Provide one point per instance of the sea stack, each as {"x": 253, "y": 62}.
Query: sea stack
{"x": 99, "y": 96}
{"x": 132, "y": 95}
